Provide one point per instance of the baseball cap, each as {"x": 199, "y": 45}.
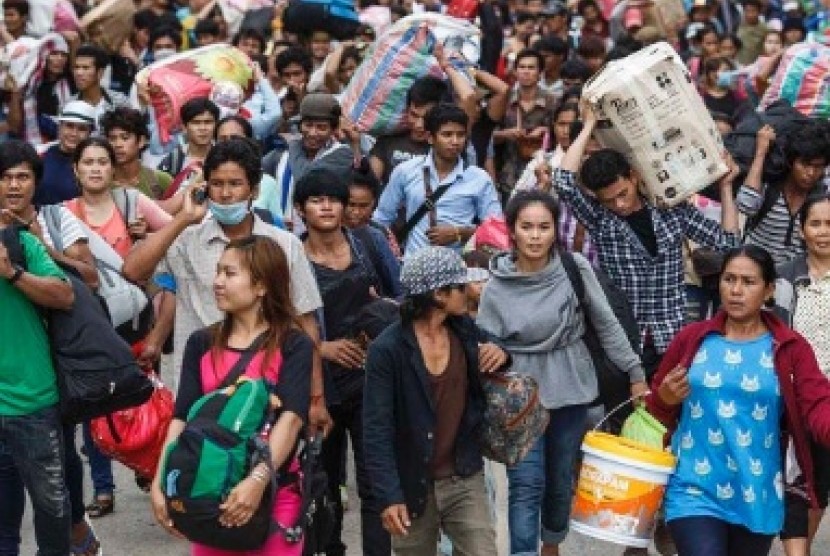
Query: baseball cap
{"x": 320, "y": 106}
{"x": 79, "y": 112}
{"x": 432, "y": 268}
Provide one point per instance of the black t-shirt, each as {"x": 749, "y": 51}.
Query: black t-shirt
{"x": 394, "y": 149}
{"x": 642, "y": 225}
{"x": 344, "y": 293}
{"x": 293, "y": 386}
{"x": 481, "y": 134}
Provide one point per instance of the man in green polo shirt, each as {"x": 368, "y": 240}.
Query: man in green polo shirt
{"x": 30, "y": 430}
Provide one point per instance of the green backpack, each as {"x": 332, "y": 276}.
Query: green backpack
{"x": 218, "y": 447}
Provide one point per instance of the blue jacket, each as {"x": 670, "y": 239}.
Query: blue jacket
{"x": 399, "y": 415}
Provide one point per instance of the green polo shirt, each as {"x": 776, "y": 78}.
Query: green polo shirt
{"x": 27, "y": 377}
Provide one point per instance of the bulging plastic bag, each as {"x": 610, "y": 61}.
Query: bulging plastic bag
{"x": 177, "y": 79}
{"x": 376, "y": 96}
{"x": 641, "y": 426}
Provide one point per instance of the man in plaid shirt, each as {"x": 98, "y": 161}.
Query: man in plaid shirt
{"x": 640, "y": 245}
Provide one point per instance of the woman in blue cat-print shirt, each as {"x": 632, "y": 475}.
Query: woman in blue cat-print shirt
{"x": 730, "y": 385}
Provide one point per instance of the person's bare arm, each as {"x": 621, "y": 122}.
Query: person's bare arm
{"x": 763, "y": 143}
{"x": 142, "y": 260}
{"x": 377, "y": 166}
{"x": 497, "y": 105}
{"x": 14, "y": 117}
{"x": 318, "y": 415}
{"x": 465, "y": 94}
{"x": 46, "y": 291}
{"x": 729, "y": 209}
{"x": 332, "y": 81}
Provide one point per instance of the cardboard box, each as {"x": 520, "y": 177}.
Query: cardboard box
{"x": 649, "y": 110}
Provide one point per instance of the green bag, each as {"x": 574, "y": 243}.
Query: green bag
{"x": 641, "y": 426}
{"x": 216, "y": 450}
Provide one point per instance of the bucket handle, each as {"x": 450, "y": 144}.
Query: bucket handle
{"x": 619, "y": 407}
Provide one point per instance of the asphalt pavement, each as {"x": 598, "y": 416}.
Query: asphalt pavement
{"x": 132, "y": 531}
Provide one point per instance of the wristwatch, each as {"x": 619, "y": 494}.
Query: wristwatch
{"x": 18, "y": 272}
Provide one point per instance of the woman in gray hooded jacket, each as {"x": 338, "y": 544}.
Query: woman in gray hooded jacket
{"x": 530, "y": 305}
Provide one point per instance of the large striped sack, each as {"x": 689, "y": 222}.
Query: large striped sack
{"x": 803, "y": 80}
{"x": 175, "y": 80}
{"x": 375, "y": 98}
{"x": 336, "y": 17}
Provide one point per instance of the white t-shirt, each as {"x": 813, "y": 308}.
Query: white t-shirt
{"x": 70, "y": 229}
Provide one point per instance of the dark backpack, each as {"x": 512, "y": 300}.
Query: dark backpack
{"x": 785, "y": 119}
{"x": 614, "y": 384}
{"x": 97, "y": 373}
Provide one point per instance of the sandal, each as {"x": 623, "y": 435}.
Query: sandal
{"x": 90, "y": 546}
{"x": 100, "y": 507}
{"x": 143, "y": 483}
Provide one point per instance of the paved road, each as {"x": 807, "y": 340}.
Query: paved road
{"x": 131, "y": 530}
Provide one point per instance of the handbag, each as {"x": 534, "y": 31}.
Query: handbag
{"x": 513, "y": 419}
{"x": 135, "y": 436}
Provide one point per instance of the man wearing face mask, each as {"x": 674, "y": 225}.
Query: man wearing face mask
{"x": 317, "y": 145}
{"x": 189, "y": 248}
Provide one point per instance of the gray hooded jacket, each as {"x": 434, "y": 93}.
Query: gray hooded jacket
{"x": 537, "y": 316}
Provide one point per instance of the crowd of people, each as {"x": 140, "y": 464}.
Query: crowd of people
{"x": 356, "y": 271}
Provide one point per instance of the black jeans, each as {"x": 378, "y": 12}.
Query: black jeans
{"x": 348, "y": 418}
{"x": 708, "y": 536}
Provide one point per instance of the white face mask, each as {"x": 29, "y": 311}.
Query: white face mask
{"x": 163, "y": 53}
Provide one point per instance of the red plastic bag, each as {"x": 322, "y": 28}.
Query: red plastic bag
{"x": 135, "y": 436}
{"x": 493, "y": 234}
{"x": 464, "y": 9}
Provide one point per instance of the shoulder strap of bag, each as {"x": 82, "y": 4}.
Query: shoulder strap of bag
{"x": 428, "y": 206}
{"x": 239, "y": 368}
{"x": 52, "y": 216}
{"x": 574, "y": 276}
{"x": 10, "y": 238}
{"x": 285, "y": 185}
{"x": 771, "y": 194}
{"x": 364, "y": 247}
{"x": 125, "y": 201}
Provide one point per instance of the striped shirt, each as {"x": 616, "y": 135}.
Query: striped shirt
{"x": 779, "y": 232}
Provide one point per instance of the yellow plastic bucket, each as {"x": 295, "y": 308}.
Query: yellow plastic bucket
{"x": 620, "y": 489}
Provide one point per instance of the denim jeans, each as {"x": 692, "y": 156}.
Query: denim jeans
{"x": 541, "y": 485}
{"x": 31, "y": 452}
{"x": 708, "y": 536}
{"x": 100, "y": 466}
{"x": 348, "y": 419}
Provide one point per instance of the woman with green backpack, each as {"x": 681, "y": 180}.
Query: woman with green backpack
{"x": 260, "y": 342}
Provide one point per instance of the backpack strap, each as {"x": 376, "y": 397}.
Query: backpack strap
{"x": 367, "y": 255}
{"x": 429, "y": 206}
{"x": 242, "y": 363}
{"x": 574, "y": 276}
{"x": 285, "y": 183}
{"x": 52, "y": 216}
{"x": 10, "y": 237}
{"x": 771, "y": 195}
{"x": 126, "y": 200}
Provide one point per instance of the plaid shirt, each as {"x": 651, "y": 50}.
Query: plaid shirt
{"x": 654, "y": 285}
